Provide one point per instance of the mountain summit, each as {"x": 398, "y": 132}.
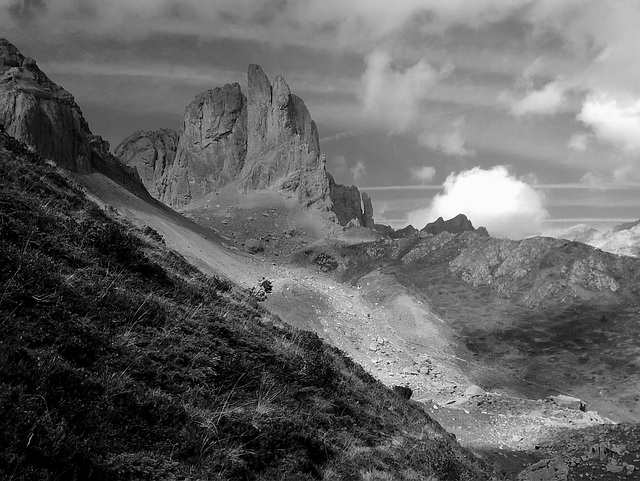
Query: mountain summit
{"x": 264, "y": 140}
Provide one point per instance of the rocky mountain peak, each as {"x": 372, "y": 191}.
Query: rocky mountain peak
{"x": 43, "y": 115}
{"x": 264, "y": 140}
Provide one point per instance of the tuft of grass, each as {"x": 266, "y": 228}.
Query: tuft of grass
{"x": 119, "y": 360}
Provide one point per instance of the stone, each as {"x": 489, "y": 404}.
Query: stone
{"x": 474, "y": 390}
{"x": 569, "y": 402}
{"x": 403, "y": 391}
{"x": 546, "y": 470}
{"x": 253, "y": 246}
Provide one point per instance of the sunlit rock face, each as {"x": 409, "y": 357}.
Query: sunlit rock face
{"x": 264, "y": 140}
{"x": 40, "y": 113}
{"x": 43, "y": 115}
{"x": 212, "y": 145}
{"x": 283, "y": 151}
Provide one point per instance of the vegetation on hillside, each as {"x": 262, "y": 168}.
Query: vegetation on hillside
{"x": 119, "y": 360}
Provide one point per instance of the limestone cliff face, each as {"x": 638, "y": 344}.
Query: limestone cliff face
{"x": 152, "y": 153}
{"x": 283, "y": 151}
{"x": 46, "y": 117}
{"x": 266, "y": 140}
{"x": 40, "y": 113}
{"x": 212, "y": 145}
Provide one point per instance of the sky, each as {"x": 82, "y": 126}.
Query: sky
{"x": 522, "y": 114}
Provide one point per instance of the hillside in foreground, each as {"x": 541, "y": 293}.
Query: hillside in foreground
{"x": 119, "y": 360}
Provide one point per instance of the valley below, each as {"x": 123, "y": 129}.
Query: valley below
{"x": 482, "y": 365}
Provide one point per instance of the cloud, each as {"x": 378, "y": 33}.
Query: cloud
{"x": 423, "y": 174}
{"x": 546, "y": 101}
{"x": 359, "y": 171}
{"x": 392, "y": 96}
{"x": 493, "y": 198}
{"x": 578, "y": 142}
{"x": 613, "y": 120}
{"x": 450, "y": 142}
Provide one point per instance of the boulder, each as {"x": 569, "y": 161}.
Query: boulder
{"x": 474, "y": 390}
{"x": 253, "y": 246}
{"x": 569, "y": 402}
{"x": 546, "y": 470}
{"x": 403, "y": 391}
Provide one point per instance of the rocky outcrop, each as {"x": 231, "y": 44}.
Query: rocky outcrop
{"x": 40, "y": 113}
{"x": 456, "y": 225}
{"x": 367, "y": 211}
{"x": 152, "y": 153}
{"x": 569, "y": 402}
{"x": 212, "y": 146}
{"x": 43, "y": 115}
{"x": 525, "y": 268}
{"x": 347, "y": 203}
{"x": 546, "y": 470}
{"x": 408, "y": 231}
{"x": 266, "y": 140}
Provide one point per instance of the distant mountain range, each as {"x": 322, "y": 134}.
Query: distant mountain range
{"x": 623, "y": 239}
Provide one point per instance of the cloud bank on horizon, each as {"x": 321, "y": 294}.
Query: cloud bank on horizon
{"x": 430, "y": 91}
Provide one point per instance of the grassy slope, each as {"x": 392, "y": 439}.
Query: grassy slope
{"x": 119, "y": 360}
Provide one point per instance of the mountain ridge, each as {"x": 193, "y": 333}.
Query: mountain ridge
{"x": 622, "y": 239}
{"x": 264, "y": 140}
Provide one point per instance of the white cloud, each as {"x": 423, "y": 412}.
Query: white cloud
{"x": 493, "y": 198}
{"x": 423, "y": 174}
{"x": 359, "y": 171}
{"x": 545, "y": 101}
{"x": 613, "y": 120}
{"x": 451, "y": 141}
{"x": 393, "y": 96}
{"x": 578, "y": 142}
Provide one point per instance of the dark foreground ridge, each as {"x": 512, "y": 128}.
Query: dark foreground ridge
{"x": 119, "y": 360}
